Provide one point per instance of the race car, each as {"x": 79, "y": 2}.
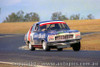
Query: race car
{"x": 52, "y": 34}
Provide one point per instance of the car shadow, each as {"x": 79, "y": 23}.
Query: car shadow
{"x": 57, "y": 51}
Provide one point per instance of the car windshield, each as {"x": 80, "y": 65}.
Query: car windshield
{"x": 57, "y": 26}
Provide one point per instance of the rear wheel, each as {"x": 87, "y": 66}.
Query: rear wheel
{"x": 31, "y": 47}
{"x": 59, "y": 49}
{"x": 45, "y": 46}
{"x": 76, "y": 47}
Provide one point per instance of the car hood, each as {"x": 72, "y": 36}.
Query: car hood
{"x": 54, "y": 32}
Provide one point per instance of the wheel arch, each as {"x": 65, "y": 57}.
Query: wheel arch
{"x": 43, "y": 40}
{"x": 27, "y": 42}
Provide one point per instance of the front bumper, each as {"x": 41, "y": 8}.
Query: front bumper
{"x": 63, "y": 44}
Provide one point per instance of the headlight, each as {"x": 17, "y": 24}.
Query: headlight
{"x": 78, "y": 35}
{"x": 51, "y": 37}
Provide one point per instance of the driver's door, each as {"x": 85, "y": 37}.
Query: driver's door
{"x": 36, "y": 35}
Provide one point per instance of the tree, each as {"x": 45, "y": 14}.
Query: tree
{"x": 0, "y": 10}
{"x": 90, "y": 16}
{"x": 20, "y": 16}
{"x": 27, "y": 17}
{"x": 58, "y": 16}
{"x": 75, "y": 17}
{"x": 35, "y": 17}
{"x": 11, "y": 18}
{"x": 32, "y": 17}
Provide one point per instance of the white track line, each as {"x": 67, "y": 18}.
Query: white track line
{"x": 25, "y": 47}
{"x": 20, "y": 64}
{"x": 6, "y": 62}
{"x": 10, "y": 35}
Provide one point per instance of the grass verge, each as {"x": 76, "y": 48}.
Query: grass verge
{"x": 91, "y": 42}
{"x": 22, "y": 28}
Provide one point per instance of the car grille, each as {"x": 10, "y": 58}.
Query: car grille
{"x": 63, "y": 37}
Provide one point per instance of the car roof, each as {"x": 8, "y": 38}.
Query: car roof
{"x": 49, "y": 21}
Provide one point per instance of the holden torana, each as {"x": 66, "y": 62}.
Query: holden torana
{"x": 52, "y": 34}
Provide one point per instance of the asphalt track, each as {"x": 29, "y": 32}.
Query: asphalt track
{"x": 11, "y": 54}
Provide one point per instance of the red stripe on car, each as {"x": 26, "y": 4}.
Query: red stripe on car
{"x": 51, "y": 23}
{"x": 29, "y": 33}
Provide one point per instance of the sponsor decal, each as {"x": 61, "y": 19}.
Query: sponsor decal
{"x": 35, "y": 36}
{"x": 39, "y": 36}
{"x": 51, "y": 37}
{"x": 77, "y": 34}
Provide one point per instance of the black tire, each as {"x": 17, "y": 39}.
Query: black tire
{"x": 76, "y": 47}
{"x": 31, "y": 47}
{"x": 45, "y": 46}
{"x": 59, "y": 49}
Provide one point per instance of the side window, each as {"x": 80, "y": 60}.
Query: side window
{"x": 43, "y": 28}
{"x": 33, "y": 28}
{"x": 37, "y": 27}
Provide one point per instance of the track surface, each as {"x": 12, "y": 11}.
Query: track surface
{"x": 10, "y": 52}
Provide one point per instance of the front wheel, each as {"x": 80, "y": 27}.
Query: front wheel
{"x": 31, "y": 47}
{"x": 45, "y": 46}
{"x": 59, "y": 49}
{"x": 76, "y": 47}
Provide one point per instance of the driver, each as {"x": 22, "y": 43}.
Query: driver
{"x": 43, "y": 28}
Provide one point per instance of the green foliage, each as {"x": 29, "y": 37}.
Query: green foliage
{"x": 90, "y": 16}
{"x": 11, "y": 18}
{"x": 31, "y": 17}
{"x": 35, "y": 17}
{"x": 20, "y": 17}
{"x": 58, "y": 16}
{"x": 75, "y": 17}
